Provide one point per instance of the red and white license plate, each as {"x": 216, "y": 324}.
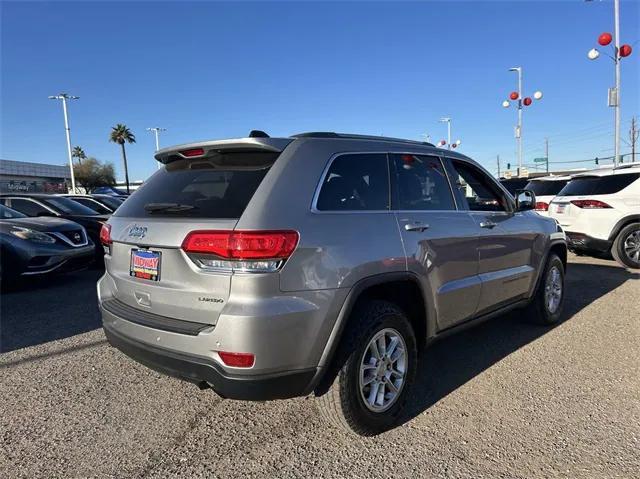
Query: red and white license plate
{"x": 560, "y": 209}
{"x": 145, "y": 264}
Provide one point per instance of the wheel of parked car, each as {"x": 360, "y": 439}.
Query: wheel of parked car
{"x": 372, "y": 387}
{"x": 548, "y": 301}
{"x": 626, "y": 247}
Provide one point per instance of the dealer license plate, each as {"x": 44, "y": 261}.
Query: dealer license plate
{"x": 145, "y": 264}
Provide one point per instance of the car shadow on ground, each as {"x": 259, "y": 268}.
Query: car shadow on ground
{"x": 49, "y": 308}
{"x": 451, "y": 362}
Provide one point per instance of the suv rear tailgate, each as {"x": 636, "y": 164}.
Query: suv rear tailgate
{"x": 183, "y": 291}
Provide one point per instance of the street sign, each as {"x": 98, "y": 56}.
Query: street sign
{"x": 540, "y": 160}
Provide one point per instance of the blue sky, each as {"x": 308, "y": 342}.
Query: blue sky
{"x": 217, "y": 70}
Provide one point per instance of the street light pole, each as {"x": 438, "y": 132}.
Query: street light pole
{"x": 156, "y": 130}
{"x": 64, "y": 97}
{"x": 448, "y": 122}
{"x": 519, "y": 126}
{"x": 616, "y": 40}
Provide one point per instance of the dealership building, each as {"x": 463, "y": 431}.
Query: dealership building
{"x": 23, "y": 177}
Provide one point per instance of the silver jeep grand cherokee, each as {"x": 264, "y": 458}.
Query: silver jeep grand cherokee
{"x": 269, "y": 268}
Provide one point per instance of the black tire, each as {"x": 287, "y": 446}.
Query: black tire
{"x": 343, "y": 405}
{"x": 539, "y": 309}
{"x": 626, "y": 237}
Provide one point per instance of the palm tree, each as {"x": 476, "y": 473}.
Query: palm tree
{"x": 121, "y": 134}
{"x": 78, "y": 153}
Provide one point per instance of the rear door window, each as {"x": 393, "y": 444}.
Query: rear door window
{"x": 421, "y": 184}
{"x": 598, "y": 185}
{"x": 356, "y": 182}
{"x": 217, "y": 187}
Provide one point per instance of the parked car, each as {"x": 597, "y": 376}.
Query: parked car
{"x": 546, "y": 188}
{"x": 321, "y": 263}
{"x": 514, "y": 184}
{"x": 91, "y": 203}
{"x": 600, "y": 211}
{"x": 38, "y": 204}
{"x": 111, "y": 191}
{"x": 36, "y": 246}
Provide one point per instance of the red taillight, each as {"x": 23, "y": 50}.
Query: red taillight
{"x": 542, "y": 206}
{"x": 192, "y": 152}
{"x": 590, "y": 204}
{"x": 242, "y": 245}
{"x": 237, "y": 360}
{"x": 105, "y": 234}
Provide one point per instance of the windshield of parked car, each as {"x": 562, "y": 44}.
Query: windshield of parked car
{"x": 546, "y": 188}
{"x": 67, "y": 206}
{"x": 7, "y": 213}
{"x": 598, "y": 185}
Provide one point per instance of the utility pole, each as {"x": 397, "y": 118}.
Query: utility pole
{"x": 546, "y": 152}
{"x": 64, "y": 97}
{"x": 498, "y": 159}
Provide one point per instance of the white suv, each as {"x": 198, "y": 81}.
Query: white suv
{"x": 600, "y": 212}
{"x": 546, "y": 188}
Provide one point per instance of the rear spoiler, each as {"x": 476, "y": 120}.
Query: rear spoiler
{"x": 203, "y": 148}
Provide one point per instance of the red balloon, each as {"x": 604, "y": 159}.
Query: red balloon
{"x": 454, "y": 145}
{"x": 514, "y": 95}
{"x": 442, "y": 143}
{"x": 625, "y": 50}
{"x": 604, "y": 39}
{"x": 527, "y": 101}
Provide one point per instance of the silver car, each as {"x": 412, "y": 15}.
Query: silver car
{"x": 269, "y": 268}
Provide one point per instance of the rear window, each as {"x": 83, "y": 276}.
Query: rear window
{"x": 546, "y": 188}
{"x": 598, "y": 185}
{"x": 512, "y": 185}
{"x": 220, "y": 186}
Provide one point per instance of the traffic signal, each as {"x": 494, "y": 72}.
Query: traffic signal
{"x": 508, "y": 166}
{"x": 597, "y": 160}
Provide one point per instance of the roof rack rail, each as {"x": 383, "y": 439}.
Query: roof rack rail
{"x": 350, "y": 136}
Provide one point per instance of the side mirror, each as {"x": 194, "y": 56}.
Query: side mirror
{"x": 525, "y": 200}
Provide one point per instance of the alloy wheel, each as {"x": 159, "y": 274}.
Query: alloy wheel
{"x": 553, "y": 290}
{"x": 631, "y": 246}
{"x": 383, "y": 367}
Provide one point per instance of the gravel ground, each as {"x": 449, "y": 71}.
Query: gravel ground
{"x": 505, "y": 399}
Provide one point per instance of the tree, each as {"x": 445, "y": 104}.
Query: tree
{"x": 78, "y": 153}
{"x": 91, "y": 174}
{"x": 121, "y": 134}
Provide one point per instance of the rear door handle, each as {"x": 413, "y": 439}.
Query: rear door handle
{"x": 416, "y": 226}
{"x": 487, "y": 224}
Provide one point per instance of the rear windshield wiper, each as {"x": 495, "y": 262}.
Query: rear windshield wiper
{"x": 168, "y": 207}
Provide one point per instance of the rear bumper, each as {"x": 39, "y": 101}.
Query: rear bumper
{"x": 207, "y": 373}
{"x": 586, "y": 243}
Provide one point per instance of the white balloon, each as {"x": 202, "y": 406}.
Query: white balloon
{"x": 506, "y": 104}
{"x": 537, "y": 95}
{"x": 458, "y": 142}
{"x": 593, "y": 54}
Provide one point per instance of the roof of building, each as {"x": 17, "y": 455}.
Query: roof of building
{"x": 25, "y": 168}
